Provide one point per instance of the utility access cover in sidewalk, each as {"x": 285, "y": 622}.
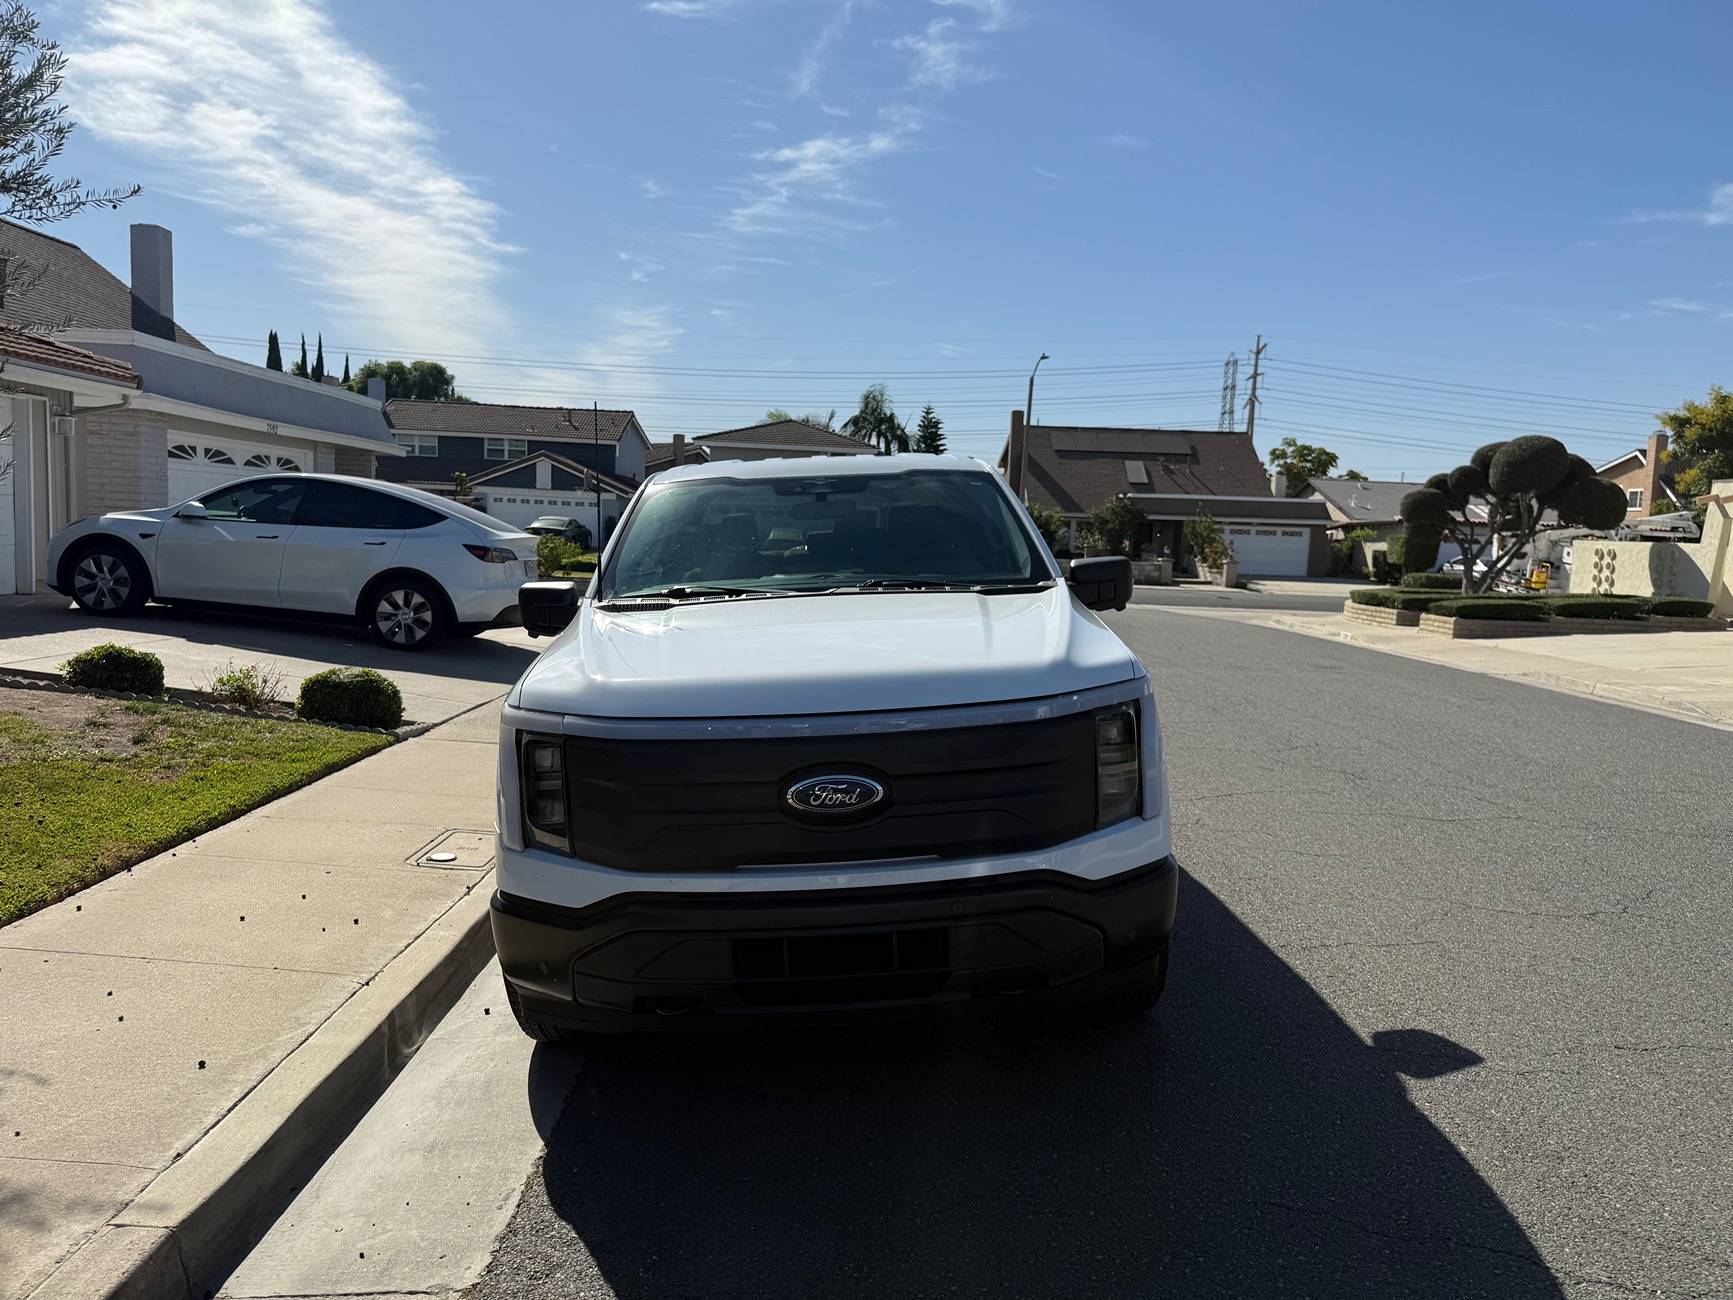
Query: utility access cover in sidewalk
{"x": 463, "y": 850}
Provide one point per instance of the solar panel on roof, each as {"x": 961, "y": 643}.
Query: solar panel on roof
{"x": 1146, "y": 442}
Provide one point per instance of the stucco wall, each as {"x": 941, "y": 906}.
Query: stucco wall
{"x": 123, "y": 461}
{"x": 1699, "y": 570}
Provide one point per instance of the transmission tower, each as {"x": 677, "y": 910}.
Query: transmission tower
{"x": 1230, "y": 392}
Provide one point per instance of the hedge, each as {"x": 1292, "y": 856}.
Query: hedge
{"x": 110, "y": 667}
{"x": 1407, "y": 598}
{"x": 1433, "y": 582}
{"x": 357, "y": 696}
{"x": 1586, "y": 606}
{"x": 1680, "y": 607}
{"x": 1517, "y": 610}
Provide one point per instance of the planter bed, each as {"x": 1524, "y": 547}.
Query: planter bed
{"x": 1564, "y": 623}
{"x": 1478, "y": 628}
{"x": 1665, "y": 623}
{"x": 1381, "y": 617}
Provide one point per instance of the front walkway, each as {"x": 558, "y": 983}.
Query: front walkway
{"x": 139, "y": 1012}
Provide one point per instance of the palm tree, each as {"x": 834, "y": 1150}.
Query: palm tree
{"x": 876, "y": 423}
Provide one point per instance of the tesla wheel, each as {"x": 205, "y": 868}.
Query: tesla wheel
{"x": 405, "y": 614}
{"x": 109, "y": 580}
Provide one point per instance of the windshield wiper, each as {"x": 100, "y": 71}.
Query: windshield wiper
{"x": 946, "y": 584}
{"x": 688, "y": 593}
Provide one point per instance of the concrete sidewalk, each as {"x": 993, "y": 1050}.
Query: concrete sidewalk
{"x": 38, "y": 633}
{"x": 142, "y": 1011}
{"x": 1682, "y": 674}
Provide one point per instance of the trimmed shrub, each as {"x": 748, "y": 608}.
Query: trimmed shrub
{"x": 1586, "y": 606}
{"x": 357, "y": 696}
{"x": 1432, "y": 582}
{"x": 1520, "y": 609}
{"x": 1409, "y": 598}
{"x": 557, "y": 555}
{"x": 1680, "y": 607}
{"x": 110, "y": 667}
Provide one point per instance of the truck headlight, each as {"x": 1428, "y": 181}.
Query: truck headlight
{"x": 1118, "y": 769}
{"x": 542, "y": 774}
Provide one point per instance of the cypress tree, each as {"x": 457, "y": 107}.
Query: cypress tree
{"x": 300, "y": 367}
{"x": 318, "y": 371}
{"x": 273, "y": 352}
{"x": 345, "y": 370}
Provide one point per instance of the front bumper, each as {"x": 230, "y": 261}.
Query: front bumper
{"x": 690, "y": 961}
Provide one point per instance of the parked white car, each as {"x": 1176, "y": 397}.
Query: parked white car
{"x": 829, "y": 737}
{"x": 410, "y": 565}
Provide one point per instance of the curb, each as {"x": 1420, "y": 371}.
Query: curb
{"x": 195, "y": 1221}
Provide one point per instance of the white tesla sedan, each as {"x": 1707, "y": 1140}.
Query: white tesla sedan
{"x": 410, "y": 565}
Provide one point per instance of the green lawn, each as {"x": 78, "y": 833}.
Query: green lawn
{"x": 88, "y": 786}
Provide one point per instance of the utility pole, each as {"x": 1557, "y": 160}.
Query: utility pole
{"x": 595, "y": 455}
{"x": 1230, "y": 393}
{"x": 1257, "y": 372}
{"x": 1028, "y": 419}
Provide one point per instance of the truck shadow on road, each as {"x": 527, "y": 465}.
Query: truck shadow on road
{"x": 1243, "y": 1141}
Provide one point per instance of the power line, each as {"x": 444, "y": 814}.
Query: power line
{"x": 1383, "y": 379}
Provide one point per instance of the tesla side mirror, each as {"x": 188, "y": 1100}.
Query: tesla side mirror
{"x": 547, "y": 607}
{"x": 192, "y": 510}
{"x": 1102, "y": 582}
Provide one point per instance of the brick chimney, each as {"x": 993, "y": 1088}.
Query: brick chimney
{"x": 679, "y": 449}
{"x": 1652, "y": 473}
{"x": 1014, "y": 455}
{"x": 153, "y": 281}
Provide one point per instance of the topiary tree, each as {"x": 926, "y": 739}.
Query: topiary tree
{"x": 1503, "y": 492}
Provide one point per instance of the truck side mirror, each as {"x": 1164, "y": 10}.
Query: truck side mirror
{"x": 547, "y": 607}
{"x": 1102, "y": 582}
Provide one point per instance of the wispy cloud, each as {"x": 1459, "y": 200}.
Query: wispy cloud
{"x": 1046, "y": 175}
{"x": 1125, "y": 140}
{"x": 995, "y": 15}
{"x": 1688, "y": 305}
{"x": 628, "y": 337}
{"x": 811, "y": 188}
{"x": 1718, "y": 212}
{"x": 809, "y": 70}
{"x": 216, "y": 95}
{"x": 689, "y": 8}
{"x": 940, "y": 60}
{"x": 638, "y": 266}
{"x": 651, "y": 188}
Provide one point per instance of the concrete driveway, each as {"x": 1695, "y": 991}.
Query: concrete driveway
{"x": 38, "y": 633}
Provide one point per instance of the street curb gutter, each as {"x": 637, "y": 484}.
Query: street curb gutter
{"x": 196, "y": 1220}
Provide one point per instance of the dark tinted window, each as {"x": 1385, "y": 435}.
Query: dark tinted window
{"x": 406, "y": 514}
{"x": 260, "y": 501}
{"x": 338, "y": 505}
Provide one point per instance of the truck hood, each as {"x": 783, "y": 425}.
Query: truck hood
{"x": 824, "y": 654}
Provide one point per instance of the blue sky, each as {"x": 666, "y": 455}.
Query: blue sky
{"x": 1453, "y": 223}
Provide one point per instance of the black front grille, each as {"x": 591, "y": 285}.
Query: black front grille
{"x": 714, "y": 805}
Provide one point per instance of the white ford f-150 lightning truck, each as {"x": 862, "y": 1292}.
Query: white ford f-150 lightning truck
{"x": 828, "y": 738}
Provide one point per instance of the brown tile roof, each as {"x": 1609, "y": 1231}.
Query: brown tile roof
{"x": 39, "y": 350}
{"x": 788, "y": 433}
{"x": 499, "y": 420}
{"x": 661, "y": 454}
{"x": 1075, "y": 468}
{"x": 73, "y": 291}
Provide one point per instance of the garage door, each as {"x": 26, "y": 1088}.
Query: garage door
{"x": 520, "y": 506}
{"x": 198, "y": 466}
{"x": 1270, "y": 552}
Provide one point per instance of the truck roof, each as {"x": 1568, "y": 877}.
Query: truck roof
{"x": 819, "y": 467}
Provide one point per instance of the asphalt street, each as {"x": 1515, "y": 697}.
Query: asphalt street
{"x": 1327, "y": 600}
{"x": 1449, "y": 1016}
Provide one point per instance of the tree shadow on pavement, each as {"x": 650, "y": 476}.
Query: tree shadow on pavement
{"x": 1242, "y": 1141}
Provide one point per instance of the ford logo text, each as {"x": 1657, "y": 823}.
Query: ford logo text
{"x": 834, "y": 794}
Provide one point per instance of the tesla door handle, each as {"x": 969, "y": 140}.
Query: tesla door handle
{"x": 373, "y": 543}
{"x": 264, "y": 537}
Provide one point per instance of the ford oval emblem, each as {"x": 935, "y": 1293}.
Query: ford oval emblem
{"x": 833, "y": 795}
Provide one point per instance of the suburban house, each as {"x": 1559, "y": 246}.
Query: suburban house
{"x": 665, "y": 455}
{"x": 1171, "y": 475}
{"x": 775, "y": 438}
{"x": 1645, "y": 480}
{"x": 521, "y": 461}
{"x": 111, "y": 405}
{"x": 1353, "y": 504}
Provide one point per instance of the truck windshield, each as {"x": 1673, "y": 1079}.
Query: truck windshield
{"x": 938, "y": 528}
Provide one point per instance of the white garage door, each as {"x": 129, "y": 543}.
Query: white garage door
{"x": 520, "y": 506}
{"x": 1270, "y": 552}
{"x": 200, "y": 465}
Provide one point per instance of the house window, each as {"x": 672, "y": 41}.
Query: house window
{"x": 1635, "y": 498}
{"x": 419, "y": 444}
{"x": 505, "y": 448}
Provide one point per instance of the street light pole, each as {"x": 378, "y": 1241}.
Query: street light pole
{"x": 1028, "y": 413}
